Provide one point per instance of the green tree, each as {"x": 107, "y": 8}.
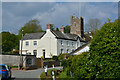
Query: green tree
{"x": 52, "y": 26}
{"x": 57, "y": 29}
{"x": 103, "y": 60}
{"x": 67, "y": 29}
{"x": 32, "y": 26}
{"x": 105, "y": 50}
{"x": 9, "y": 42}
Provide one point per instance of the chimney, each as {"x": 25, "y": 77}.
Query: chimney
{"x": 62, "y": 29}
{"x": 48, "y": 26}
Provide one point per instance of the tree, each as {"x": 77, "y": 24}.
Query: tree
{"x": 67, "y": 29}
{"x": 9, "y": 42}
{"x": 103, "y": 60}
{"x": 32, "y": 26}
{"x": 93, "y": 24}
{"x": 52, "y": 26}
{"x": 57, "y": 29}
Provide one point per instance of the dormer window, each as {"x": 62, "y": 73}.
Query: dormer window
{"x": 35, "y": 43}
{"x": 27, "y": 43}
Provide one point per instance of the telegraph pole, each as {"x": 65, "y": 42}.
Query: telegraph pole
{"x": 21, "y": 59}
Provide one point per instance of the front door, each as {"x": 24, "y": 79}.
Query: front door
{"x": 43, "y": 53}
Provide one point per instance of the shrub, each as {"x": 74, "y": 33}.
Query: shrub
{"x": 55, "y": 58}
{"x": 61, "y": 56}
{"x": 62, "y": 75}
{"x": 50, "y": 71}
{"x": 49, "y": 74}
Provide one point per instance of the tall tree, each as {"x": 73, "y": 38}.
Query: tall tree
{"x": 67, "y": 29}
{"x": 57, "y": 29}
{"x": 52, "y": 26}
{"x": 9, "y": 42}
{"x": 32, "y": 26}
{"x": 93, "y": 24}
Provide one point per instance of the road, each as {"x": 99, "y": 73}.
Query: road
{"x": 29, "y": 74}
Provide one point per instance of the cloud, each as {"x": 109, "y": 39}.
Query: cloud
{"x": 15, "y": 15}
{"x": 60, "y": 0}
{"x": 60, "y": 13}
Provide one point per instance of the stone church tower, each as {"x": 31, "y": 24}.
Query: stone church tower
{"x": 76, "y": 26}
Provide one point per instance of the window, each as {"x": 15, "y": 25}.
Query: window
{"x": 72, "y": 44}
{"x": 27, "y": 43}
{"x": 35, "y": 52}
{"x": 67, "y": 50}
{"x": 67, "y": 43}
{"x": 61, "y": 42}
{"x": 29, "y": 61}
{"x": 43, "y": 53}
{"x": 61, "y": 50}
{"x": 35, "y": 43}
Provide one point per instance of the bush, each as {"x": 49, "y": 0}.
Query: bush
{"x": 49, "y": 74}
{"x": 61, "y": 56}
{"x": 44, "y": 77}
{"x": 50, "y": 71}
{"x": 62, "y": 75}
{"x": 55, "y": 58}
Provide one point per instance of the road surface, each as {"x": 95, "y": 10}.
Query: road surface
{"x": 29, "y": 74}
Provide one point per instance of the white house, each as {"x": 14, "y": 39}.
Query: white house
{"x": 81, "y": 49}
{"x": 50, "y": 43}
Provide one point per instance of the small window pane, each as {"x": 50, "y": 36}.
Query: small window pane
{"x": 27, "y": 43}
{"x": 35, "y": 42}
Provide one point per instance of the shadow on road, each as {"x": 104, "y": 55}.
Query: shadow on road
{"x": 13, "y": 78}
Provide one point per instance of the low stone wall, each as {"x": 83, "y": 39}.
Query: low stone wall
{"x": 14, "y": 60}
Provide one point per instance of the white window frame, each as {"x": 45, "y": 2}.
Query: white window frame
{"x": 62, "y": 42}
{"x": 68, "y": 43}
{"x": 34, "y": 43}
{"x": 27, "y": 43}
{"x": 61, "y": 50}
{"x": 72, "y": 44}
{"x": 67, "y": 50}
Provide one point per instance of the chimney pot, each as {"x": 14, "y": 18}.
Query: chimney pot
{"x": 48, "y": 26}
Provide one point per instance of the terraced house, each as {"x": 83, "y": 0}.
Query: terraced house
{"x": 52, "y": 43}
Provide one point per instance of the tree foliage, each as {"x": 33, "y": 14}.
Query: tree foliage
{"x": 9, "y": 42}
{"x": 32, "y": 26}
{"x": 103, "y": 60}
{"x": 93, "y": 24}
{"x": 67, "y": 29}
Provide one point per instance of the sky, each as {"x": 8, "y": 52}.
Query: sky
{"x": 16, "y": 14}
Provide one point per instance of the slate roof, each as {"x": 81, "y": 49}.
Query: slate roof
{"x": 58, "y": 34}
{"x": 67, "y": 36}
{"x": 33, "y": 36}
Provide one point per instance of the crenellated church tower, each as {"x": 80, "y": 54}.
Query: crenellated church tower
{"x": 77, "y": 26}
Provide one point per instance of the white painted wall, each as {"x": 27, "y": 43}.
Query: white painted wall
{"x": 65, "y": 46}
{"x": 47, "y": 42}
{"x": 85, "y": 49}
{"x": 50, "y": 44}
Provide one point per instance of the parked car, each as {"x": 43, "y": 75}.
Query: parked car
{"x": 5, "y": 71}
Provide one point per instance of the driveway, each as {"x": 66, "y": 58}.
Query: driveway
{"x": 29, "y": 74}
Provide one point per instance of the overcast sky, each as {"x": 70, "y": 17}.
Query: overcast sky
{"x": 16, "y": 14}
